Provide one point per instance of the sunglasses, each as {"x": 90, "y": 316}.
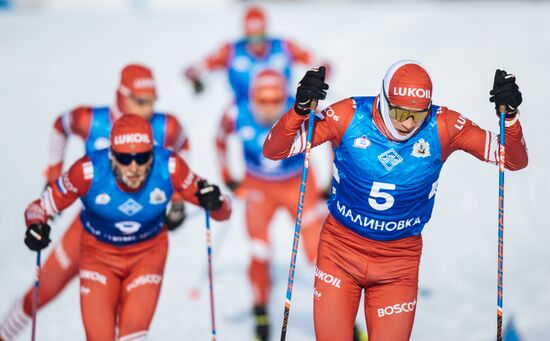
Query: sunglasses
{"x": 126, "y": 159}
{"x": 142, "y": 101}
{"x": 401, "y": 114}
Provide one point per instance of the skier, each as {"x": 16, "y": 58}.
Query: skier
{"x": 125, "y": 191}
{"x": 135, "y": 94}
{"x": 267, "y": 185}
{"x": 246, "y": 57}
{"x": 388, "y": 153}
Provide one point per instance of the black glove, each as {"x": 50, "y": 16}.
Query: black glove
{"x": 37, "y": 236}
{"x": 505, "y": 92}
{"x": 198, "y": 85}
{"x": 311, "y": 87}
{"x": 327, "y": 192}
{"x": 232, "y": 185}
{"x": 175, "y": 215}
{"x": 209, "y": 196}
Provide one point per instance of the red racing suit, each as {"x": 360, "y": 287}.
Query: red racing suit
{"x": 387, "y": 271}
{"x": 119, "y": 284}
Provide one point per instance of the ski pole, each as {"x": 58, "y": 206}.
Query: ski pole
{"x": 210, "y": 277}
{"x": 35, "y": 294}
{"x": 298, "y": 224}
{"x": 500, "y": 276}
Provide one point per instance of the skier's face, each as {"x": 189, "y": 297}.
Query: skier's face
{"x": 133, "y": 174}
{"x": 268, "y": 104}
{"x": 141, "y": 105}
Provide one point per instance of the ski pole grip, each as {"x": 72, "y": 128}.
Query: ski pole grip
{"x": 313, "y": 104}
{"x": 502, "y": 108}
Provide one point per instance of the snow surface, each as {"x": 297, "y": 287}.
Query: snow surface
{"x": 52, "y": 61}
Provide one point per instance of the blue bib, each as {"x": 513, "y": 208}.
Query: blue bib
{"x": 100, "y": 129}
{"x": 385, "y": 190}
{"x": 243, "y": 66}
{"x": 252, "y": 135}
{"x": 121, "y": 218}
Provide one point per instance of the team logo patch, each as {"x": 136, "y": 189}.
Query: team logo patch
{"x": 102, "y": 199}
{"x": 362, "y": 142}
{"x": 421, "y": 149}
{"x": 389, "y": 159}
{"x": 130, "y": 207}
{"x": 157, "y": 196}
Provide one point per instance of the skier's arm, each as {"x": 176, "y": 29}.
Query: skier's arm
{"x": 303, "y": 56}
{"x": 61, "y": 193}
{"x": 215, "y": 61}
{"x": 185, "y": 182}
{"x": 225, "y": 129}
{"x": 456, "y": 132}
{"x": 75, "y": 122}
{"x": 176, "y": 138}
{"x": 288, "y": 136}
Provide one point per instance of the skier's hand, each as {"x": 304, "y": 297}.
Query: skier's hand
{"x": 193, "y": 76}
{"x": 233, "y": 185}
{"x": 327, "y": 192}
{"x": 37, "y": 236}
{"x": 175, "y": 216}
{"x": 505, "y": 92}
{"x": 311, "y": 87}
{"x": 209, "y": 196}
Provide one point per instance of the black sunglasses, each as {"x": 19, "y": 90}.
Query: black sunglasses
{"x": 126, "y": 159}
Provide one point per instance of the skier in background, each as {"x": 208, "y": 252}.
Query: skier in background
{"x": 136, "y": 94}
{"x": 125, "y": 191}
{"x": 267, "y": 185}
{"x": 388, "y": 153}
{"x": 243, "y": 59}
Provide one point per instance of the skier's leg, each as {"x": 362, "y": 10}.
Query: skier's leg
{"x": 99, "y": 290}
{"x": 338, "y": 286}
{"x": 391, "y": 296}
{"x": 259, "y": 212}
{"x": 140, "y": 290}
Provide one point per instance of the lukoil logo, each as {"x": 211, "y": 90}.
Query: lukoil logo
{"x": 412, "y": 92}
{"x": 144, "y": 83}
{"x": 327, "y": 278}
{"x": 131, "y": 138}
{"x": 407, "y": 307}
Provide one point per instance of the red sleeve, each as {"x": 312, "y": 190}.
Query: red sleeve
{"x": 288, "y": 136}
{"x": 298, "y": 54}
{"x": 456, "y": 132}
{"x": 185, "y": 183}
{"x": 77, "y": 122}
{"x": 219, "y": 59}
{"x": 73, "y": 184}
{"x": 225, "y": 129}
{"x": 176, "y": 137}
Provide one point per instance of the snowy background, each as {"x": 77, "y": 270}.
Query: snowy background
{"x": 55, "y": 57}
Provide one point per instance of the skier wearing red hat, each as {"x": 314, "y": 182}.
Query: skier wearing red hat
{"x": 388, "y": 153}
{"x": 267, "y": 185}
{"x": 136, "y": 94}
{"x": 125, "y": 191}
{"x": 244, "y": 58}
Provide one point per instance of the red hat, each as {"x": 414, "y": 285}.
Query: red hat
{"x": 131, "y": 134}
{"x": 408, "y": 84}
{"x": 254, "y": 21}
{"x": 136, "y": 80}
{"x": 268, "y": 78}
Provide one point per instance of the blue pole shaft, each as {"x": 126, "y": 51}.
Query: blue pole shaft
{"x": 298, "y": 224}
{"x": 500, "y": 226}
{"x": 210, "y": 277}
{"x": 35, "y": 294}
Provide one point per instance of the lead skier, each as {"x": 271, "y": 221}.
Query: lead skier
{"x": 388, "y": 153}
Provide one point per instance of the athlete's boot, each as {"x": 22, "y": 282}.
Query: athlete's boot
{"x": 262, "y": 323}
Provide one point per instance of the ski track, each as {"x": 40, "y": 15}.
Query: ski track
{"x": 51, "y": 61}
